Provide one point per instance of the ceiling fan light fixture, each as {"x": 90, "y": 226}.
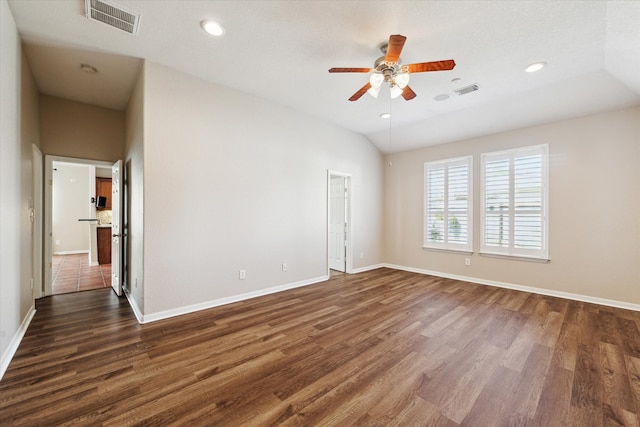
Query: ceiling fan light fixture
{"x": 211, "y": 27}
{"x": 402, "y": 80}
{"x": 376, "y": 80}
{"x": 536, "y": 66}
{"x": 395, "y": 90}
{"x": 374, "y": 91}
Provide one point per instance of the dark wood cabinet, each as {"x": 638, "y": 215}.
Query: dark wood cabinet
{"x": 103, "y": 188}
{"x": 104, "y": 245}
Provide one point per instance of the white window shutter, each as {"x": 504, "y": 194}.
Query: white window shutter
{"x": 448, "y": 205}
{"x": 514, "y": 202}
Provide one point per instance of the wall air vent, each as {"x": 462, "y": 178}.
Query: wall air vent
{"x": 467, "y": 89}
{"x": 112, "y": 15}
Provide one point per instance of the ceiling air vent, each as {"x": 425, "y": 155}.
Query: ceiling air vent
{"x": 467, "y": 89}
{"x": 112, "y": 15}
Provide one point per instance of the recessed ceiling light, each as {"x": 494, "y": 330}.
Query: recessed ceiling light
{"x": 88, "y": 69}
{"x": 536, "y": 66}
{"x": 456, "y": 81}
{"x": 212, "y": 27}
{"x": 441, "y": 97}
{"x": 385, "y": 115}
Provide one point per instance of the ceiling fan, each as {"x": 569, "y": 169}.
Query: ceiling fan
{"x": 388, "y": 69}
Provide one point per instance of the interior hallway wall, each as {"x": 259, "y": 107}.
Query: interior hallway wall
{"x": 72, "y": 129}
{"x": 18, "y": 114}
{"x": 134, "y": 177}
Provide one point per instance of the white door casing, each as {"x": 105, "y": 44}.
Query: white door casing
{"x": 116, "y": 227}
{"x": 37, "y": 219}
{"x": 48, "y": 210}
{"x": 339, "y": 223}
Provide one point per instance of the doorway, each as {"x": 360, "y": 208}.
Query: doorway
{"x": 71, "y": 223}
{"x": 339, "y": 222}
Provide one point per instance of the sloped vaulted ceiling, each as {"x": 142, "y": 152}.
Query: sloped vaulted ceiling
{"x": 281, "y": 51}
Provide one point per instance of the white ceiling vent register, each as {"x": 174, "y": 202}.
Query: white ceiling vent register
{"x": 467, "y": 89}
{"x": 112, "y": 15}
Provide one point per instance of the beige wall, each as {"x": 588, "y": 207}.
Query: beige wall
{"x": 233, "y": 182}
{"x": 134, "y": 171}
{"x": 18, "y": 130}
{"x": 29, "y": 136}
{"x": 594, "y": 240}
{"x": 73, "y": 129}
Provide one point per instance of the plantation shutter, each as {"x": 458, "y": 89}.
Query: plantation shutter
{"x": 514, "y": 202}
{"x": 447, "y": 211}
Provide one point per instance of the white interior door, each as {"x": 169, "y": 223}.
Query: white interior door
{"x": 116, "y": 227}
{"x": 337, "y": 223}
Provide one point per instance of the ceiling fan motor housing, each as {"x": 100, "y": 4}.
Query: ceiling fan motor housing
{"x": 388, "y": 69}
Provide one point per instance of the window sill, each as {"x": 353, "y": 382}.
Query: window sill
{"x": 451, "y": 251}
{"x": 516, "y": 257}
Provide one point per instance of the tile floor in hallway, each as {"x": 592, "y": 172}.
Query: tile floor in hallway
{"x": 72, "y": 273}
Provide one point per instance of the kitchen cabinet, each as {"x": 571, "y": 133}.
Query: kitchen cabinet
{"x": 104, "y": 245}
{"x": 103, "y": 188}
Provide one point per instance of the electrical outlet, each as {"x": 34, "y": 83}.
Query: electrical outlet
{"x": 242, "y": 274}
{"x": 467, "y": 261}
{"x": 57, "y": 242}
{"x": 284, "y": 267}
{"x": 361, "y": 255}
{"x": 136, "y": 283}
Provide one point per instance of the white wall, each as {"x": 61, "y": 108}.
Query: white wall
{"x": 72, "y": 190}
{"x": 594, "y": 183}
{"x": 233, "y": 182}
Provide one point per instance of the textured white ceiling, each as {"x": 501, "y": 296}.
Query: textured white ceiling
{"x": 281, "y": 51}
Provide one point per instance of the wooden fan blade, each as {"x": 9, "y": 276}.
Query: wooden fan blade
{"x": 408, "y": 93}
{"x": 349, "y": 70}
{"x": 361, "y": 92}
{"x": 394, "y": 48}
{"x": 430, "y": 66}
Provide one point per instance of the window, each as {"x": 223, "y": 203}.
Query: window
{"x": 514, "y": 202}
{"x": 447, "y": 205}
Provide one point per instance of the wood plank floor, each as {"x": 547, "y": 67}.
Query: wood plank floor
{"x": 380, "y": 348}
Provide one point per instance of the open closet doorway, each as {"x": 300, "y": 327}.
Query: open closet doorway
{"x": 339, "y": 222}
{"x": 78, "y": 220}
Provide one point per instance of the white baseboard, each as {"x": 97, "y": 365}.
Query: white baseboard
{"x": 559, "y": 294}
{"x": 134, "y": 306}
{"x": 367, "y": 268}
{"x": 70, "y": 252}
{"x": 15, "y": 341}
{"x": 153, "y": 317}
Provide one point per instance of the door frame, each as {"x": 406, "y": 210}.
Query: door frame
{"x": 348, "y": 181}
{"x": 37, "y": 201}
{"x": 48, "y": 212}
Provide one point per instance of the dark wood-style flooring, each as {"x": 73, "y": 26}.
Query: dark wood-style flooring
{"x": 380, "y": 348}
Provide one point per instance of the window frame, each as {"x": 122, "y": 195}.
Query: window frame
{"x": 447, "y": 245}
{"x": 511, "y": 251}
